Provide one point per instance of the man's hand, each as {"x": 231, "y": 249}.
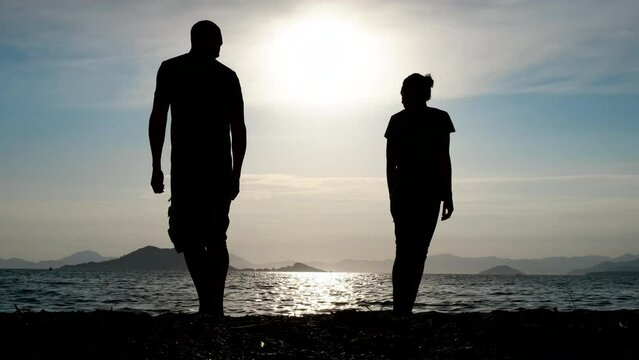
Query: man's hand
{"x": 447, "y": 210}
{"x": 157, "y": 181}
{"x": 235, "y": 186}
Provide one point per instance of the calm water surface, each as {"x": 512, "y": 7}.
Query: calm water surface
{"x": 306, "y": 293}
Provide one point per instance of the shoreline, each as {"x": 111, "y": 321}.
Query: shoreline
{"x": 528, "y": 334}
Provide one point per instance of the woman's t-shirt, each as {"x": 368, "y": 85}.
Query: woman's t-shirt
{"x": 420, "y": 139}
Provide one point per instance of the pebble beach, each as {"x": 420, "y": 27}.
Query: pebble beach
{"x": 525, "y": 334}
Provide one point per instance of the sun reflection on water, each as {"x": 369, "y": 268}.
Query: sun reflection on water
{"x": 297, "y": 293}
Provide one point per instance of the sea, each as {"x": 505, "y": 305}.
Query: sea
{"x": 295, "y": 294}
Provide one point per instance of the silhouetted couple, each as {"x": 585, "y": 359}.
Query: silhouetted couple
{"x": 208, "y": 139}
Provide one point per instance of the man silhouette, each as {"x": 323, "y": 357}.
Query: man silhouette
{"x": 207, "y": 112}
{"x": 418, "y": 172}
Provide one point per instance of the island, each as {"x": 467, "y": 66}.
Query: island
{"x": 151, "y": 258}
{"x": 501, "y": 270}
{"x": 296, "y": 267}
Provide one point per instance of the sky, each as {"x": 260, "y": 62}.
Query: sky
{"x": 544, "y": 96}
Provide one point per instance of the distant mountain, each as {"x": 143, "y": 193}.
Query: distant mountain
{"x": 626, "y": 257}
{"x": 83, "y": 257}
{"x": 90, "y": 259}
{"x": 15, "y": 263}
{"x": 501, "y": 270}
{"x": 361, "y": 266}
{"x": 299, "y": 267}
{"x": 451, "y": 264}
{"x": 272, "y": 264}
{"x": 153, "y": 258}
{"x": 296, "y": 267}
{"x": 76, "y": 258}
{"x": 240, "y": 263}
{"x": 146, "y": 258}
{"x": 609, "y": 266}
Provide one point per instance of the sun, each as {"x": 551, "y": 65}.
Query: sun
{"x": 322, "y": 59}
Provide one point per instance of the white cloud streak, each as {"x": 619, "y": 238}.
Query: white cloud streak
{"x": 501, "y": 215}
{"x": 279, "y": 217}
{"x": 471, "y": 47}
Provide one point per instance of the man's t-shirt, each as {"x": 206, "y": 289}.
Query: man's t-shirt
{"x": 205, "y": 96}
{"x": 420, "y": 141}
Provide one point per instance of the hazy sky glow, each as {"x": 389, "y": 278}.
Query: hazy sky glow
{"x": 544, "y": 96}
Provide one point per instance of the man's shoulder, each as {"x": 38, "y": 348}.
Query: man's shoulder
{"x": 176, "y": 60}
{"x": 225, "y": 69}
{"x": 170, "y": 66}
{"x": 187, "y": 60}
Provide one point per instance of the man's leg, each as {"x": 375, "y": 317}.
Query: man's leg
{"x": 196, "y": 261}
{"x": 181, "y": 219}
{"x": 217, "y": 263}
{"x": 217, "y": 255}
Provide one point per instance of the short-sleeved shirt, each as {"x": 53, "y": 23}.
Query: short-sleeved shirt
{"x": 205, "y": 96}
{"x": 420, "y": 143}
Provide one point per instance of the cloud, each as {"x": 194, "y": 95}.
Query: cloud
{"x": 564, "y": 178}
{"x": 506, "y": 216}
{"x": 512, "y": 197}
{"x": 481, "y": 195}
{"x": 106, "y": 54}
{"x": 261, "y": 186}
{"x": 279, "y": 216}
{"x": 523, "y": 46}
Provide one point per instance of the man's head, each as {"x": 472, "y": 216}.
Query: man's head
{"x": 416, "y": 90}
{"x": 206, "y": 38}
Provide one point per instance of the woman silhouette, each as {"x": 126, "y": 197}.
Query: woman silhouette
{"x": 418, "y": 172}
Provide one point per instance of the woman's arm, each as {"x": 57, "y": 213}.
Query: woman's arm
{"x": 448, "y": 208}
{"x": 391, "y": 166}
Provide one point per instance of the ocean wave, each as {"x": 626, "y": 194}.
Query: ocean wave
{"x": 297, "y": 294}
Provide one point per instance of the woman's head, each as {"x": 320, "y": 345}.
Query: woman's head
{"x": 416, "y": 90}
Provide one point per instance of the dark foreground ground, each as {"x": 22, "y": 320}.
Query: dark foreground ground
{"x": 530, "y": 334}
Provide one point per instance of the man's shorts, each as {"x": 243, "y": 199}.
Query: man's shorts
{"x": 198, "y": 222}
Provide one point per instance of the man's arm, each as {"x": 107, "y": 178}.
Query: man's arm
{"x": 238, "y": 138}
{"x": 157, "y": 131}
{"x": 238, "y": 133}
{"x": 448, "y": 208}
